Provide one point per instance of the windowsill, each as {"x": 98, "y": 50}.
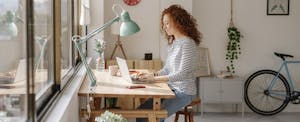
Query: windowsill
{"x": 68, "y": 98}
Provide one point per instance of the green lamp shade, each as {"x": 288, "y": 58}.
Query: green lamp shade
{"x": 12, "y": 29}
{"x": 128, "y": 27}
{"x": 8, "y": 29}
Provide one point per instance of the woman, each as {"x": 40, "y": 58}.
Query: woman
{"x": 180, "y": 29}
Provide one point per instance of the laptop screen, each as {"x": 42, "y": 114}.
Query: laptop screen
{"x": 124, "y": 69}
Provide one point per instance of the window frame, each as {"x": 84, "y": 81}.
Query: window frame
{"x": 52, "y": 94}
{"x": 42, "y": 100}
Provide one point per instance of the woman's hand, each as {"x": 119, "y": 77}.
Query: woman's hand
{"x": 149, "y": 77}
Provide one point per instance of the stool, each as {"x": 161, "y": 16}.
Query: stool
{"x": 188, "y": 111}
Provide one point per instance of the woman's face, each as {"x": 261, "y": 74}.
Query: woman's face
{"x": 168, "y": 25}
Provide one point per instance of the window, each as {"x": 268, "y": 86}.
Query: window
{"x": 14, "y": 52}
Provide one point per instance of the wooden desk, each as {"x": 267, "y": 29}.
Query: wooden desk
{"x": 110, "y": 86}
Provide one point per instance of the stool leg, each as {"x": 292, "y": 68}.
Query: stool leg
{"x": 191, "y": 117}
{"x": 176, "y": 117}
{"x": 185, "y": 114}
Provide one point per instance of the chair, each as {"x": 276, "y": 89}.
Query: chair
{"x": 188, "y": 111}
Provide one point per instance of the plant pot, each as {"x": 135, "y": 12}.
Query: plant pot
{"x": 100, "y": 62}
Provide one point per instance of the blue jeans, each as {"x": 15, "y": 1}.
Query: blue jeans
{"x": 171, "y": 105}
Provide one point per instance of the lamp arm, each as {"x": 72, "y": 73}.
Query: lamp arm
{"x": 98, "y": 30}
{"x": 87, "y": 67}
{"x": 42, "y": 43}
{"x": 80, "y": 40}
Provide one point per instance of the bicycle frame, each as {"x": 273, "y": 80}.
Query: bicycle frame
{"x": 290, "y": 81}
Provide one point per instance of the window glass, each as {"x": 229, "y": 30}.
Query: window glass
{"x": 13, "y": 63}
{"x": 66, "y": 34}
{"x": 43, "y": 35}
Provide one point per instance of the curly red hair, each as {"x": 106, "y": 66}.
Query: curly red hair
{"x": 183, "y": 21}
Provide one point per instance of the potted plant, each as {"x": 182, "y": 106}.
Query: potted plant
{"x": 100, "y": 61}
{"x": 110, "y": 117}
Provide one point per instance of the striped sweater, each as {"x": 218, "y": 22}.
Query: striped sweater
{"x": 181, "y": 65}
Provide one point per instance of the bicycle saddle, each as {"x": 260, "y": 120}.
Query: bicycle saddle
{"x": 282, "y": 56}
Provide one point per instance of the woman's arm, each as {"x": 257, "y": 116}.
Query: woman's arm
{"x": 163, "y": 78}
{"x": 154, "y": 78}
{"x": 164, "y": 70}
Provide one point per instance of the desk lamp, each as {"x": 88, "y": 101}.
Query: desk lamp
{"x": 8, "y": 25}
{"x": 128, "y": 27}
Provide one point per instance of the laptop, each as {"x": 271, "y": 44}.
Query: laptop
{"x": 125, "y": 74}
{"x": 21, "y": 71}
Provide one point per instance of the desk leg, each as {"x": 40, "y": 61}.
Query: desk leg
{"x": 136, "y": 103}
{"x": 97, "y": 103}
{"x": 156, "y": 104}
{"x": 152, "y": 117}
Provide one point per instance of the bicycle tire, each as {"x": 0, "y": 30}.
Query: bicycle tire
{"x": 264, "y": 106}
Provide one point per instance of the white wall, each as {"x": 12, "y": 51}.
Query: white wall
{"x": 145, "y": 14}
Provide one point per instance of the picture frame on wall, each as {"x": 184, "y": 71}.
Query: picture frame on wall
{"x": 278, "y": 7}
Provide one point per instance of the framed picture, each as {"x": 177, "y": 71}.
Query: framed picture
{"x": 278, "y": 7}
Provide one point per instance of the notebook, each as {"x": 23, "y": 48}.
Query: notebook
{"x": 125, "y": 74}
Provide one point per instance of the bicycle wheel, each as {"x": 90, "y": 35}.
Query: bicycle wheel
{"x": 263, "y": 101}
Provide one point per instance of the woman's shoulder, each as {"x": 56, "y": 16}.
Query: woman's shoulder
{"x": 188, "y": 42}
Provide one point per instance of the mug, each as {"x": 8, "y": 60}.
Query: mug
{"x": 113, "y": 70}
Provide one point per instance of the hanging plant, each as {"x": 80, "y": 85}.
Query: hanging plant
{"x": 233, "y": 48}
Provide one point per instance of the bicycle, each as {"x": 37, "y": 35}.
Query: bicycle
{"x": 268, "y": 92}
